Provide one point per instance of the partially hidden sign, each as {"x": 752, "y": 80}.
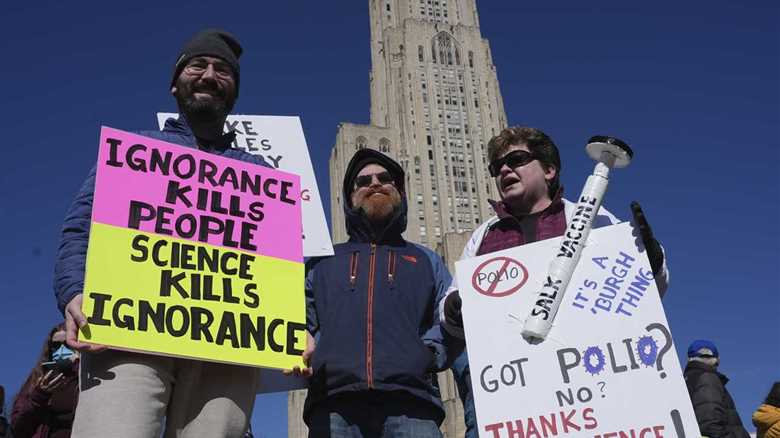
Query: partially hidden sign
{"x": 194, "y": 255}
{"x": 608, "y": 368}
{"x": 281, "y": 143}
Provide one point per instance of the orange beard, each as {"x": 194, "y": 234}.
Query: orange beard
{"x": 379, "y": 205}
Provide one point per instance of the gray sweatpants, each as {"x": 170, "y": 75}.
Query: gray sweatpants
{"x": 133, "y": 395}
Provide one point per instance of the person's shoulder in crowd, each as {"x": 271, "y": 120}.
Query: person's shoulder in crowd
{"x": 767, "y": 416}
{"x": 767, "y": 421}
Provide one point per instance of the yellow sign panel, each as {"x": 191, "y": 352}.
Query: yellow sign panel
{"x": 153, "y": 293}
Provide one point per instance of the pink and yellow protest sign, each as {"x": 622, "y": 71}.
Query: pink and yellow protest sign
{"x": 193, "y": 254}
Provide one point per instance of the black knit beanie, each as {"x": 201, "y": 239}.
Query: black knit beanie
{"x": 210, "y": 42}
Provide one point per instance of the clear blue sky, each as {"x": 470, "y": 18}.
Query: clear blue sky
{"x": 693, "y": 86}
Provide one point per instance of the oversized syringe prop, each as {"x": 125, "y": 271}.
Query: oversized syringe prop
{"x": 609, "y": 152}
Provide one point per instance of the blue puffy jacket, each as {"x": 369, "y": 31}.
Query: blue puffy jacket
{"x": 372, "y": 307}
{"x": 72, "y": 253}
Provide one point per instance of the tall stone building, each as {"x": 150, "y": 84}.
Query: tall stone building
{"x": 435, "y": 103}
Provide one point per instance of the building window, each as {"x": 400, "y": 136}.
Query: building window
{"x": 360, "y": 143}
{"x": 384, "y": 145}
{"x": 446, "y": 48}
{"x": 420, "y": 53}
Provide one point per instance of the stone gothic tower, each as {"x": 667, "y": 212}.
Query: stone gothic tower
{"x": 435, "y": 103}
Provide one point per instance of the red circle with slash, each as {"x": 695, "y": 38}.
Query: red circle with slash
{"x": 510, "y": 273}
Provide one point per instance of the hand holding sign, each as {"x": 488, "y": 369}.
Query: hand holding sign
{"x": 453, "y": 318}
{"x": 75, "y": 321}
{"x": 307, "y": 355}
{"x": 654, "y": 251}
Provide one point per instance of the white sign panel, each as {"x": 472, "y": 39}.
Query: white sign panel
{"x": 608, "y": 368}
{"x": 280, "y": 141}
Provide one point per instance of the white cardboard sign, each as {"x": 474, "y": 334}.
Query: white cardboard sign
{"x": 280, "y": 141}
{"x": 608, "y": 368}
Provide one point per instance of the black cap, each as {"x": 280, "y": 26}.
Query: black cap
{"x": 210, "y": 42}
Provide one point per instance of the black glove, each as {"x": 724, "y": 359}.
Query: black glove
{"x": 453, "y": 318}
{"x": 653, "y": 248}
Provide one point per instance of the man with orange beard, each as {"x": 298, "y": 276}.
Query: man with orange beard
{"x": 372, "y": 310}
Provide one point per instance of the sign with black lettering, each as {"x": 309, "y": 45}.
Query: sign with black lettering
{"x": 195, "y": 255}
{"x": 608, "y": 367}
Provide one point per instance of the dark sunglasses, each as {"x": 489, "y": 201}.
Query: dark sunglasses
{"x": 513, "y": 159}
{"x": 366, "y": 180}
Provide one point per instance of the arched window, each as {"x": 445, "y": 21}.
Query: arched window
{"x": 384, "y": 145}
{"x": 471, "y": 59}
{"x": 360, "y": 143}
{"x": 420, "y": 53}
{"x": 445, "y": 47}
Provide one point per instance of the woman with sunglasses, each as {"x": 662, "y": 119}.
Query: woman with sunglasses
{"x": 525, "y": 165}
{"x": 46, "y": 403}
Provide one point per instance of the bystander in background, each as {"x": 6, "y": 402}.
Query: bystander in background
{"x": 767, "y": 416}
{"x": 714, "y": 408}
{"x": 46, "y": 403}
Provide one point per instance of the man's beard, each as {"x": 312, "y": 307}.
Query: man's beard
{"x": 215, "y": 107}
{"x": 379, "y": 207}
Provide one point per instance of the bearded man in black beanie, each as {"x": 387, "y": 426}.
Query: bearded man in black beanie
{"x": 126, "y": 394}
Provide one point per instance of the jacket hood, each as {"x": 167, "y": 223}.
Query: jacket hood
{"x": 358, "y": 226}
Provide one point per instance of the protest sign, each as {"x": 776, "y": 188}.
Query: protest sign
{"x": 195, "y": 255}
{"x": 608, "y": 368}
{"x": 280, "y": 141}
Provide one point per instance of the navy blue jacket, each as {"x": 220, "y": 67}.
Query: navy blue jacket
{"x": 72, "y": 253}
{"x": 372, "y": 307}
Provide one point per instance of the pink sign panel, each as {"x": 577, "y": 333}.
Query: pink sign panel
{"x": 162, "y": 188}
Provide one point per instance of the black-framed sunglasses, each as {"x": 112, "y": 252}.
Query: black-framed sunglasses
{"x": 365, "y": 180}
{"x": 513, "y": 159}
